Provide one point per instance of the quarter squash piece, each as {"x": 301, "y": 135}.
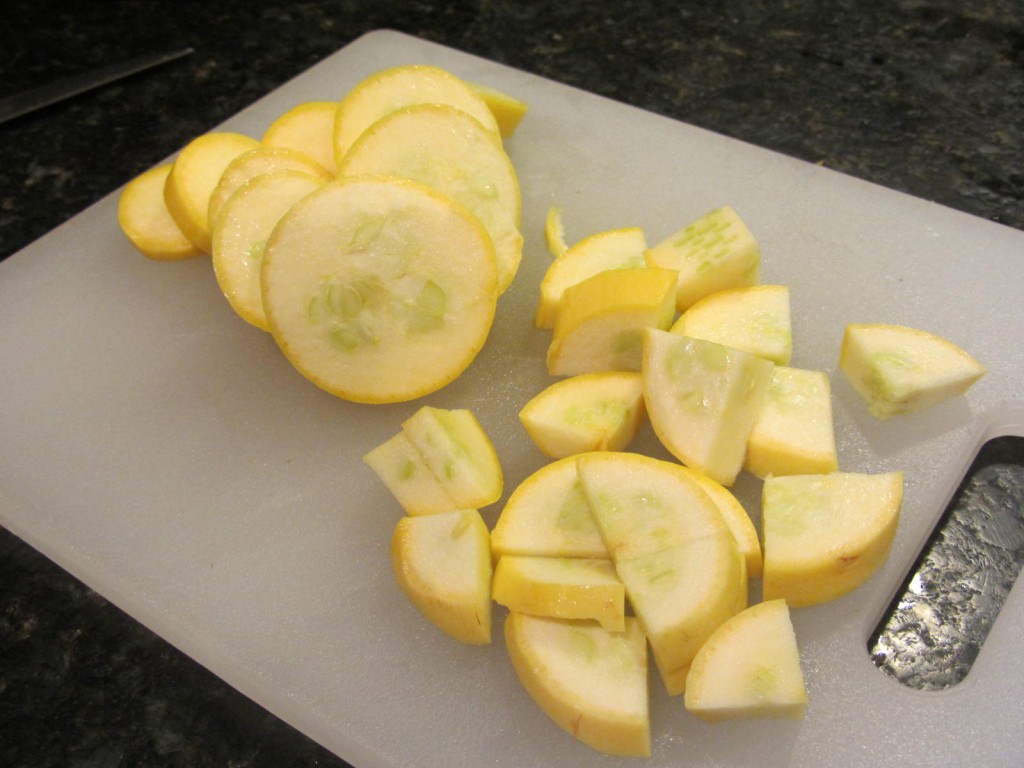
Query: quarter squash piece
{"x": 403, "y": 86}
{"x": 562, "y": 588}
{"x": 702, "y": 400}
{"x": 194, "y": 175}
{"x": 714, "y": 253}
{"x": 590, "y": 412}
{"x": 898, "y": 370}
{"x": 308, "y": 128}
{"x": 143, "y": 217}
{"x": 379, "y": 289}
{"x": 794, "y": 433}
{"x": 643, "y": 505}
{"x": 749, "y": 668}
{"x": 602, "y": 319}
{"x": 591, "y": 682}
{"x": 825, "y": 535}
{"x": 548, "y": 515}
{"x": 402, "y": 469}
{"x": 245, "y": 221}
{"x": 451, "y": 152}
{"x": 755, "y": 319}
{"x": 613, "y": 249}
{"x": 457, "y": 450}
{"x": 442, "y": 563}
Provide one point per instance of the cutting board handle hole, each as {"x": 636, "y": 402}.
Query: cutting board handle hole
{"x": 931, "y": 634}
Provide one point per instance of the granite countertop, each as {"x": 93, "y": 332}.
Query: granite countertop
{"x": 923, "y": 96}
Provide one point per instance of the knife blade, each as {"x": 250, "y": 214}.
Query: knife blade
{"x": 22, "y": 103}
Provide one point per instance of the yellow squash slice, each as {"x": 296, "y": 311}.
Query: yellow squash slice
{"x": 405, "y": 473}
{"x": 379, "y": 289}
{"x": 145, "y": 220}
{"x": 702, "y": 400}
{"x": 590, "y": 412}
{"x": 602, "y": 319}
{"x": 240, "y": 236}
{"x": 825, "y": 535}
{"x": 714, "y": 253}
{"x": 443, "y": 564}
{"x": 898, "y": 370}
{"x": 194, "y": 175}
{"x": 308, "y": 128}
{"x": 613, "y": 249}
{"x": 450, "y": 151}
{"x": 749, "y": 668}
{"x": 254, "y": 163}
{"x": 404, "y": 86}
{"x": 755, "y": 319}
{"x": 457, "y": 450}
{"x": 561, "y": 587}
{"x": 794, "y": 432}
{"x": 589, "y": 681}
{"x": 548, "y": 515}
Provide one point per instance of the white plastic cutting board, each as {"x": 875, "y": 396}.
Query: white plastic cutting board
{"x": 164, "y": 452}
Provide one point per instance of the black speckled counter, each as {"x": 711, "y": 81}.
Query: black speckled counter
{"x": 922, "y": 96}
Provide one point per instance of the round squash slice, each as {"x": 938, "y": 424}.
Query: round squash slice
{"x": 398, "y": 87}
{"x": 378, "y": 289}
{"x": 452, "y": 152}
